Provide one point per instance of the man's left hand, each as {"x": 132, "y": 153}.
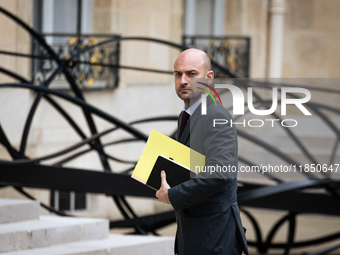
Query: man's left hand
{"x": 162, "y": 193}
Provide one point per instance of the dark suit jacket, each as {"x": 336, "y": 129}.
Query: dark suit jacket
{"x": 207, "y": 214}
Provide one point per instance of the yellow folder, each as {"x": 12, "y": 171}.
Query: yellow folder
{"x": 159, "y": 144}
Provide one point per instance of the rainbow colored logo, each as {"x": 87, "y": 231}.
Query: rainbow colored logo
{"x": 212, "y": 89}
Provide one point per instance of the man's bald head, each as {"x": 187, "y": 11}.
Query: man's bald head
{"x": 196, "y": 54}
{"x": 191, "y": 64}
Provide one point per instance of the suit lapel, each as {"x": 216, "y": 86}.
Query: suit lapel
{"x": 186, "y": 133}
{"x": 197, "y": 112}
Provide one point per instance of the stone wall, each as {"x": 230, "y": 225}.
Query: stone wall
{"x": 312, "y": 39}
{"x": 311, "y": 36}
{"x": 249, "y": 18}
{"x": 14, "y": 38}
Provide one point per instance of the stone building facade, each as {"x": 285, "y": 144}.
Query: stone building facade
{"x": 289, "y": 39}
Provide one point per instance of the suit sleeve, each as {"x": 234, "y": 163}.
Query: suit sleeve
{"x": 220, "y": 149}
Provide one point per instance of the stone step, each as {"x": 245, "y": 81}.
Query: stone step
{"x": 50, "y": 230}
{"x": 14, "y": 210}
{"x": 113, "y": 244}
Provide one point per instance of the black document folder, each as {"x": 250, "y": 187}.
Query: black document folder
{"x": 175, "y": 173}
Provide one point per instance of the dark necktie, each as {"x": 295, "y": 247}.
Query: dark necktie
{"x": 184, "y": 120}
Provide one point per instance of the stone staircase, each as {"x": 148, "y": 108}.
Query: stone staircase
{"x": 23, "y": 232}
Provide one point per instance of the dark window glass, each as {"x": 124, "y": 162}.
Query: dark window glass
{"x": 80, "y": 203}
{"x": 52, "y": 198}
{"x": 64, "y": 201}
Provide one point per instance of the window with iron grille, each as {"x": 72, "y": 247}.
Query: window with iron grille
{"x": 66, "y": 26}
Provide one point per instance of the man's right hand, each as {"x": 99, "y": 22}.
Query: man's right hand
{"x": 162, "y": 193}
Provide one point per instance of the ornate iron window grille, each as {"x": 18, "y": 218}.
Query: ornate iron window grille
{"x": 96, "y": 68}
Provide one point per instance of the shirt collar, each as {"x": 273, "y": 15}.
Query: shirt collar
{"x": 192, "y": 108}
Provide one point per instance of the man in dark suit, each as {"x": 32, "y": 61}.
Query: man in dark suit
{"x": 207, "y": 214}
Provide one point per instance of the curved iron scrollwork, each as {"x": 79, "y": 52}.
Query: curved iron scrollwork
{"x": 23, "y": 171}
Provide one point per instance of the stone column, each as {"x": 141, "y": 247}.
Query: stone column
{"x": 48, "y": 19}
{"x": 190, "y": 11}
{"x": 219, "y": 10}
{"x": 277, "y": 10}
